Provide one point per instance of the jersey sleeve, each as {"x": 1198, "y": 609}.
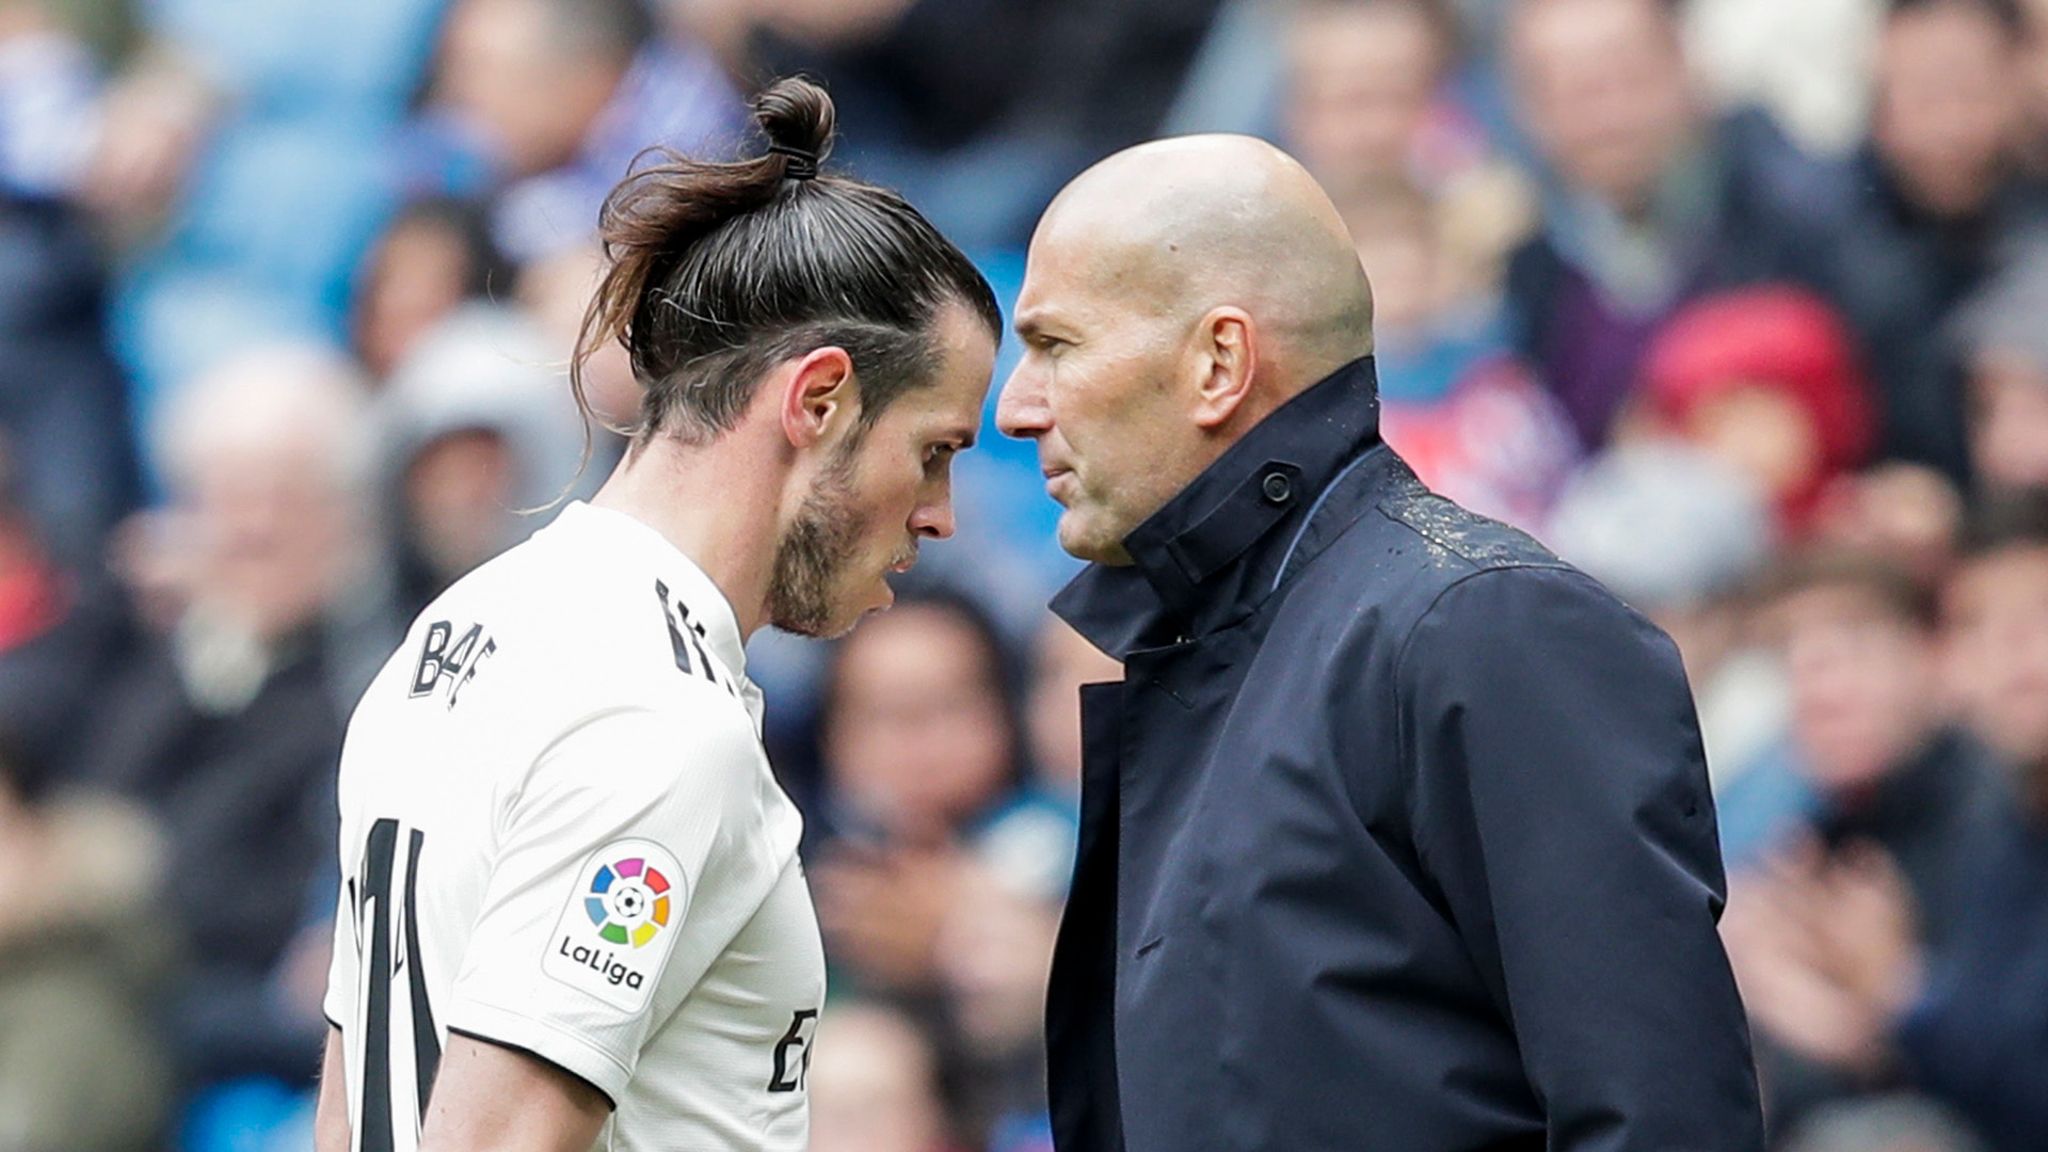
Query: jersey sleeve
{"x": 339, "y": 1005}
{"x": 599, "y": 853}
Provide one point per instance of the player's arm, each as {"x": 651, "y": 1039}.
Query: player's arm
{"x": 330, "y": 1122}
{"x": 489, "y": 1098}
{"x": 486, "y": 1097}
{"x": 551, "y": 1005}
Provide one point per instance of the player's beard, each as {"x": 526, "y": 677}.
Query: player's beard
{"x": 813, "y": 554}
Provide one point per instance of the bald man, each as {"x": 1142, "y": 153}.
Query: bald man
{"x": 1396, "y": 833}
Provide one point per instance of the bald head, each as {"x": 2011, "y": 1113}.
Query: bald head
{"x": 1177, "y": 294}
{"x": 1182, "y": 226}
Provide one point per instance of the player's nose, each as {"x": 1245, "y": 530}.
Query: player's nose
{"x": 933, "y": 520}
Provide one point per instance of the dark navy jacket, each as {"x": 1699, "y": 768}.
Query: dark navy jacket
{"x": 1395, "y": 836}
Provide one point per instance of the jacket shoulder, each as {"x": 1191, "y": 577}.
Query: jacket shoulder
{"x": 1457, "y": 541}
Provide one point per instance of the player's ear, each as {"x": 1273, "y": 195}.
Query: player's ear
{"x": 817, "y": 392}
{"x": 1225, "y": 359}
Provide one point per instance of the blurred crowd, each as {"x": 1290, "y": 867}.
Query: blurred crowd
{"x": 1742, "y": 305}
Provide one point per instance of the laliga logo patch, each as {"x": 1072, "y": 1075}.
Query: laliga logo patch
{"x": 628, "y": 901}
{"x": 616, "y": 932}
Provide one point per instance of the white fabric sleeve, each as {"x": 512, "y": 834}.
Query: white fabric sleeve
{"x": 344, "y": 967}
{"x": 598, "y": 855}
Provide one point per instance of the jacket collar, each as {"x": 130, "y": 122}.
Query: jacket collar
{"x": 1216, "y": 550}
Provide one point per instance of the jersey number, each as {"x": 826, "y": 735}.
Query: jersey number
{"x": 375, "y": 939}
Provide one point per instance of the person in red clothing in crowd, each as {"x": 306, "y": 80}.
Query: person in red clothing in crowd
{"x": 32, "y": 596}
{"x": 1768, "y": 379}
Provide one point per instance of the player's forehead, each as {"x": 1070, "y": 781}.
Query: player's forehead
{"x": 949, "y": 406}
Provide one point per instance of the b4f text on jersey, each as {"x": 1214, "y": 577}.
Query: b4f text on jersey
{"x": 454, "y": 664}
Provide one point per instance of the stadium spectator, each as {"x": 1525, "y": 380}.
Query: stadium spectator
{"x": 1934, "y": 206}
{"x": 435, "y": 254}
{"x": 561, "y": 95}
{"x": 478, "y": 431}
{"x": 229, "y": 728}
{"x": 1881, "y": 958}
{"x": 2034, "y": 44}
{"x": 1874, "y": 756}
{"x": 1455, "y": 401}
{"x": 922, "y": 753}
{"x": 555, "y": 291}
{"x": 247, "y": 155}
{"x": 1767, "y": 380}
{"x": 63, "y": 411}
{"x": 1974, "y": 1030}
{"x": 994, "y": 945}
{"x": 874, "y": 1083}
{"x": 1997, "y": 605}
{"x": 977, "y": 109}
{"x": 1371, "y": 109}
{"x": 49, "y": 94}
{"x": 1648, "y": 202}
{"x": 1908, "y": 513}
{"x": 1678, "y": 535}
{"x": 82, "y": 962}
{"x": 1365, "y": 106}
{"x": 994, "y": 952}
{"x": 1965, "y": 1023}
{"x": 2004, "y": 347}
{"x": 1807, "y": 64}
{"x": 61, "y": 633}
{"x": 921, "y": 77}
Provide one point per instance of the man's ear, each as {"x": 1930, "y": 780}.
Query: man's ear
{"x": 817, "y": 394}
{"x": 1226, "y": 347}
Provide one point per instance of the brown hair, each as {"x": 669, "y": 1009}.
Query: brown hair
{"x": 2015, "y": 520}
{"x": 719, "y": 271}
{"x": 1903, "y": 596}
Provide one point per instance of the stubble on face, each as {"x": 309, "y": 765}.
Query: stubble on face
{"x": 812, "y": 557}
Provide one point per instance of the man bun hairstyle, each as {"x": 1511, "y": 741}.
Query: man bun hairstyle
{"x": 718, "y": 271}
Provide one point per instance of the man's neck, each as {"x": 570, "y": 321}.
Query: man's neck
{"x": 719, "y": 504}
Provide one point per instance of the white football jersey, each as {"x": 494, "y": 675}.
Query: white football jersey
{"x": 559, "y": 834}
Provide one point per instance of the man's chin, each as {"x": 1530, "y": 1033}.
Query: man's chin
{"x": 1078, "y": 541}
{"x": 843, "y": 619}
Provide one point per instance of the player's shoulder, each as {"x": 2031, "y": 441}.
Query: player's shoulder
{"x": 578, "y": 619}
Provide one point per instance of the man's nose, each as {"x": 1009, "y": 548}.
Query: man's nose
{"x": 933, "y": 521}
{"x": 1020, "y": 410}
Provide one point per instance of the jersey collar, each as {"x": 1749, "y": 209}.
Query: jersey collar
{"x": 685, "y": 579}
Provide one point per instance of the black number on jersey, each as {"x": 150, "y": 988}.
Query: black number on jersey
{"x": 685, "y": 635}
{"x": 376, "y": 942}
{"x": 456, "y": 664}
{"x": 793, "y": 1055}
